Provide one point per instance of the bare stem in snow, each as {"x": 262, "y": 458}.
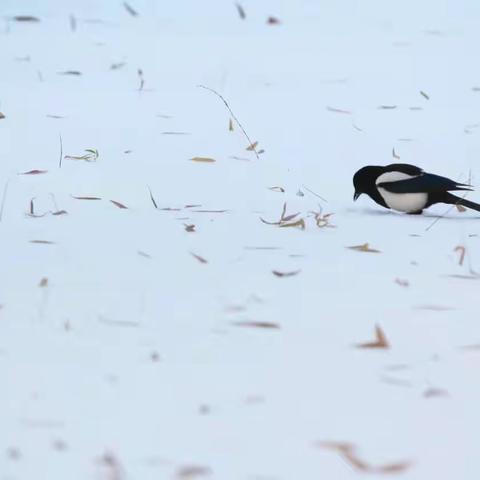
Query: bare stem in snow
{"x": 251, "y": 144}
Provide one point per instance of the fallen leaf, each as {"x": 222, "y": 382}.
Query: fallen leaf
{"x": 339, "y": 110}
{"x": 241, "y": 11}
{"x": 379, "y": 342}
{"x": 44, "y": 242}
{"x": 203, "y": 159}
{"x": 462, "y": 251}
{"x": 285, "y": 274}
{"x": 348, "y": 452}
{"x": 435, "y": 392}
{"x": 25, "y": 18}
{"x": 255, "y": 324}
{"x": 191, "y": 472}
{"x": 199, "y": 258}
{"x": 298, "y": 224}
{"x": 273, "y": 21}
{"x": 86, "y": 198}
{"x": 118, "y": 204}
{"x": 424, "y": 95}
{"x": 33, "y": 172}
{"x": 363, "y": 248}
{"x": 130, "y": 10}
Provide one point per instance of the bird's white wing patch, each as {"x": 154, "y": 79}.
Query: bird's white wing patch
{"x": 402, "y": 202}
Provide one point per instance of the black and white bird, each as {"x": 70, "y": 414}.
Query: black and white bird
{"x": 407, "y": 188}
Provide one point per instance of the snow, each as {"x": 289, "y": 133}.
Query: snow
{"x": 126, "y": 366}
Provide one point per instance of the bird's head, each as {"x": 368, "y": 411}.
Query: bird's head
{"x": 364, "y": 180}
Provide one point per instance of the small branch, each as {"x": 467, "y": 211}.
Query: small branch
{"x": 250, "y": 143}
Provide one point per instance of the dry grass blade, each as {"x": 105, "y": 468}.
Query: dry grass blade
{"x": 387, "y": 107}
{"x": 130, "y": 10}
{"x": 198, "y": 257}
{"x": 230, "y": 125}
{"x": 285, "y": 274}
{"x": 151, "y": 198}
{"x": 241, "y": 11}
{"x": 277, "y": 189}
{"x": 203, "y": 159}
{"x": 394, "y": 155}
{"x": 42, "y": 242}
{"x": 379, "y": 342}
{"x": 339, "y": 110}
{"x": 233, "y": 116}
{"x": 118, "y": 204}
{"x": 34, "y": 172}
{"x": 61, "y": 152}
{"x": 91, "y": 155}
{"x": 85, "y": 198}
{"x": 424, "y": 95}
{"x": 75, "y": 73}
{"x": 365, "y": 247}
{"x": 25, "y": 18}
{"x": 60, "y": 212}
{"x": 255, "y": 324}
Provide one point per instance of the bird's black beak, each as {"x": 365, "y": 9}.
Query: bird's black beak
{"x": 356, "y": 195}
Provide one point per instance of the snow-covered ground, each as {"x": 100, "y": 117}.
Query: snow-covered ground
{"x": 137, "y": 346}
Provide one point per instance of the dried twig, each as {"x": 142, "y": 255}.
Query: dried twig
{"x": 234, "y": 117}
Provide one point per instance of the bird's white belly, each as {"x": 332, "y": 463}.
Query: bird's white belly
{"x": 404, "y": 202}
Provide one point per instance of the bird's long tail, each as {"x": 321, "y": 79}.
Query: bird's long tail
{"x": 454, "y": 200}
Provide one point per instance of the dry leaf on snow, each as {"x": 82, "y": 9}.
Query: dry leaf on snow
{"x": 203, "y": 159}
{"x": 379, "y": 342}
{"x": 363, "y": 248}
{"x": 285, "y": 274}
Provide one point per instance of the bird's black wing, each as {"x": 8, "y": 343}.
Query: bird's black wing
{"x": 425, "y": 183}
{"x": 403, "y": 168}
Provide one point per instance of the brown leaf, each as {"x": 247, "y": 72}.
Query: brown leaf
{"x": 34, "y": 172}
{"x": 285, "y": 274}
{"x": 25, "y": 18}
{"x": 462, "y": 251}
{"x": 435, "y": 392}
{"x": 189, "y": 228}
{"x": 118, "y": 204}
{"x": 379, "y": 342}
{"x": 203, "y": 159}
{"x": 241, "y": 11}
{"x": 273, "y": 21}
{"x": 298, "y": 224}
{"x": 255, "y": 324}
{"x": 43, "y": 282}
{"x": 86, "y": 198}
{"x": 199, "y": 258}
{"x": 190, "y": 472}
{"x": 348, "y": 452}
{"x": 363, "y": 248}
{"x": 252, "y": 147}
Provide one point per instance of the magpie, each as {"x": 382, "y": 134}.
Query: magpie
{"x": 407, "y": 188}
